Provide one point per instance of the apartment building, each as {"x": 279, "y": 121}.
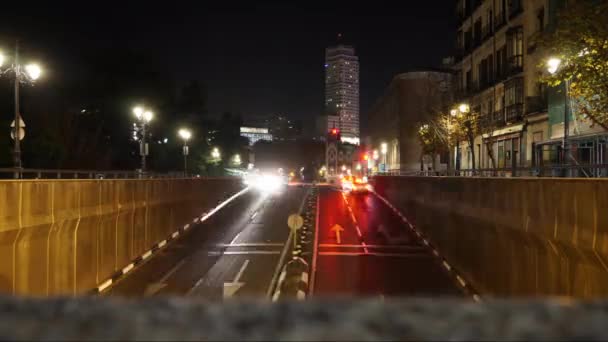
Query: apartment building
{"x": 497, "y": 74}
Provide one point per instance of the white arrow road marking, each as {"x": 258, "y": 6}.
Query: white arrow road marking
{"x": 231, "y": 288}
{"x": 154, "y": 288}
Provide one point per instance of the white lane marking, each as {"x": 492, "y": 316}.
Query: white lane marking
{"x": 447, "y": 266}
{"x": 186, "y": 227}
{"x": 476, "y": 298}
{"x": 173, "y": 270}
{"x": 175, "y": 235}
{"x": 254, "y": 215}
{"x": 223, "y": 204}
{"x": 261, "y": 244}
{"x": 276, "y": 296}
{"x": 392, "y": 255}
{"x": 162, "y": 244}
{"x": 128, "y": 268}
{"x": 301, "y": 295}
{"x": 147, "y": 255}
{"x": 414, "y": 248}
{"x": 461, "y": 281}
{"x": 241, "y": 271}
{"x": 105, "y": 285}
{"x": 365, "y": 248}
{"x": 359, "y": 232}
{"x": 244, "y": 253}
{"x": 235, "y": 238}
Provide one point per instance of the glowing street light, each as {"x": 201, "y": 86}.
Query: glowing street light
{"x": 33, "y": 70}
{"x": 464, "y": 108}
{"x": 553, "y": 65}
{"x": 376, "y": 155}
{"x": 215, "y": 153}
{"x": 185, "y": 134}
{"x": 21, "y": 74}
{"x": 144, "y": 117}
{"x": 236, "y": 159}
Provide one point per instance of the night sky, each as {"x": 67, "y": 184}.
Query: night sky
{"x": 259, "y": 58}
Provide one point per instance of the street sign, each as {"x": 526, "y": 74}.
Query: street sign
{"x": 295, "y": 222}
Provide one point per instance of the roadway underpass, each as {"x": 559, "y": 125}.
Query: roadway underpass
{"x": 235, "y": 253}
{"x": 366, "y": 250}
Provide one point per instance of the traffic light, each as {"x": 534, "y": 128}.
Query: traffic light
{"x": 334, "y": 134}
{"x": 365, "y": 157}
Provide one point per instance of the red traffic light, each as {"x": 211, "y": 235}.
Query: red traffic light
{"x": 365, "y": 157}
{"x": 334, "y": 131}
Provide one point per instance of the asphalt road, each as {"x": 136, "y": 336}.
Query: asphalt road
{"x": 375, "y": 256}
{"x": 233, "y": 254}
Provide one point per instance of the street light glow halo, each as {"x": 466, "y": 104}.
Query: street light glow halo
{"x": 553, "y": 65}
{"x": 33, "y": 70}
{"x": 464, "y": 108}
{"x": 185, "y": 134}
{"x": 148, "y": 116}
{"x": 138, "y": 111}
{"x": 1, "y": 59}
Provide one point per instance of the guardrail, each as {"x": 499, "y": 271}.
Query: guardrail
{"x": 555, "y": 171}
{"x": 15, "y": 173}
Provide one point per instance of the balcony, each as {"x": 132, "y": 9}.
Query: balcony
{"x": 515, "y": 66}
{"x": 514, "y": 113}
{"x": 499, "y": 118}
{"x": 536, "y": 104}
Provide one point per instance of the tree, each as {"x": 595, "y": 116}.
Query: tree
{"x": 580, "y": 41}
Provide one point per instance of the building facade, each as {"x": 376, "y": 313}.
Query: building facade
{"x": 497, "y": 75}
{"x": 411, "y": 99}
{"x": 498, "y": 71}
{"x": 255, "y": 134}
{"x": 342, "y": 91}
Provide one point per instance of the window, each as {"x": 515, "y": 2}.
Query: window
{"x": 540, "y": 19}
{"x": 515, "y": 49}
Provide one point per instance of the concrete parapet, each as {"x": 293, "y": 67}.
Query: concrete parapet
{"x": 66, "y": 236}
{"x": 513, "y": 237}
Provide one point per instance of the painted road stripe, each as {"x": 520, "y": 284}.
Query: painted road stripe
{"x": 175, "y": 235}
{"x": 329, "y": 245}
{"x": 146, "y": 255}
{"x": 391, "y": 255}
{"x": 186, "y": 227}
{"x": 105, "y": 285}
{"x": 162, "y": 244}
{"x": 236, "y": 245}
{"x": 476, "y": 298}
{"x": 447, "y": 266}
{"x": 461, "y": 281}
{"x": 245, "y": 253}
{"x": 128, "y": 268}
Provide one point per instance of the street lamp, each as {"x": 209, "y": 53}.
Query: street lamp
{"x": 237, "y": 159}
{"x": 144, "y": 117}
{"x": 215, "y": 153}
{"x": 464, "y": 108}
{"x": 553, "y": 65}
{"x": 185, "y": 135}
{"x": 22, "y": 74}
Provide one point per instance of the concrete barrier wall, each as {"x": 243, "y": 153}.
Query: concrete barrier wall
{"x": 64, "y": 237}
{"x": 513, "y": 237}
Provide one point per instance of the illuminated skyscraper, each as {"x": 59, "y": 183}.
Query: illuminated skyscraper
{"x": 342, "y": 91}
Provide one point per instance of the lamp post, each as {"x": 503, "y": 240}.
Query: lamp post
{"x": 185, "y": 135}
{"x": 22, "y": 74}
{"x": 144, "y": 117}
{"x": 553, "y": 65}
{"x": 384, "y": 151}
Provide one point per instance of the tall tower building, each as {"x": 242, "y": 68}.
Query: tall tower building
{"x": 342, "y": 91}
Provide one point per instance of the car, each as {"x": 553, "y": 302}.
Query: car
{"x": 355, "y": 184}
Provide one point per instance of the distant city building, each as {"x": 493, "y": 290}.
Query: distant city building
{"x": 255, "y": 134}
{"x": 342, "y": 91}
{"x": 279, "y": 126}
